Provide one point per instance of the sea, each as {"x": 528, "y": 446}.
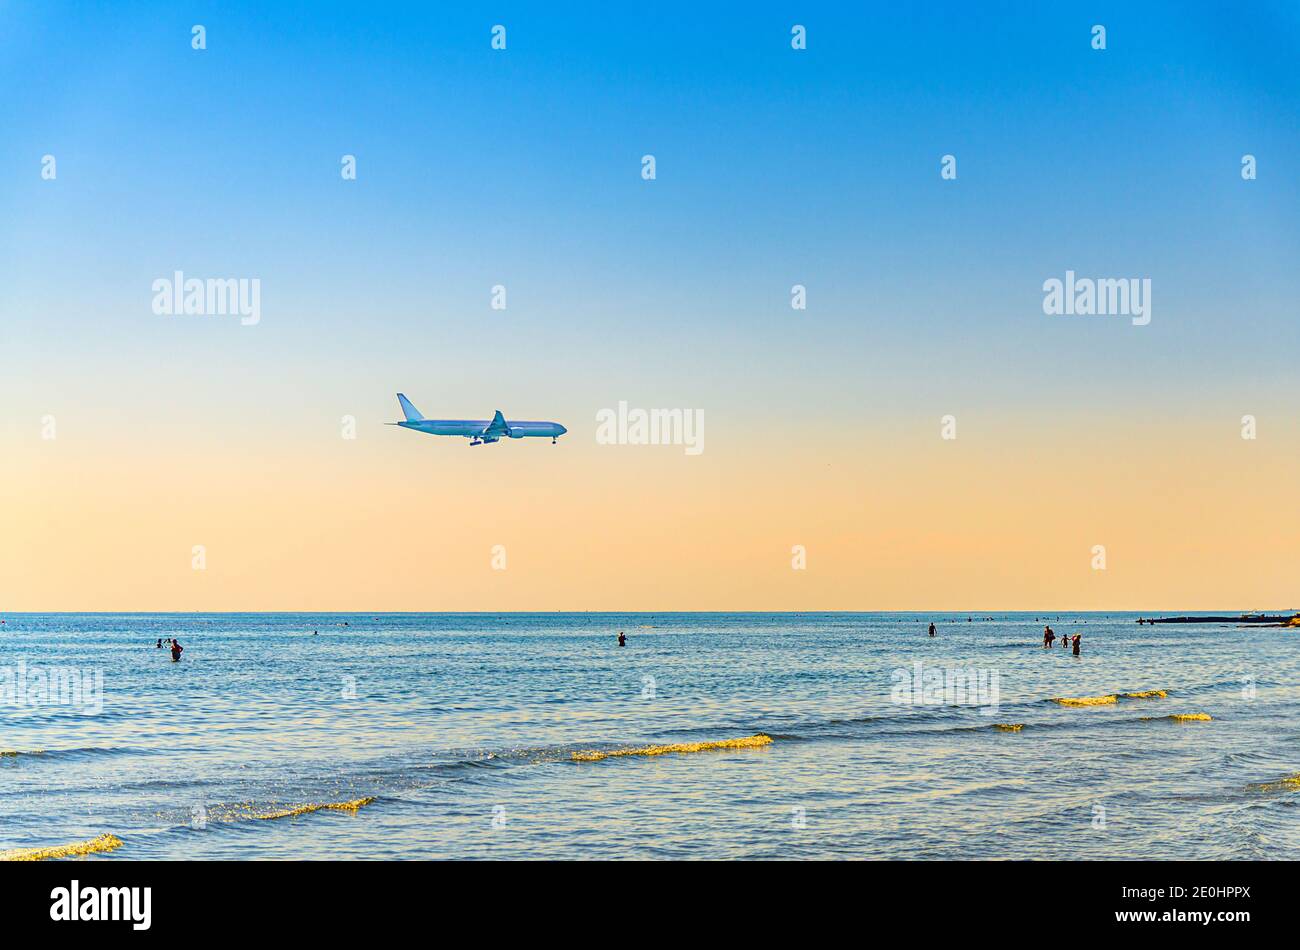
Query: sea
{"x": 769, "y": 736}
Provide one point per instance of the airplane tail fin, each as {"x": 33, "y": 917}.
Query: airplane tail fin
{"x": 412, "y": 414}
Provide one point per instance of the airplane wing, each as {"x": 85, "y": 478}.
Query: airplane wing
{"x": 497, "y": 427}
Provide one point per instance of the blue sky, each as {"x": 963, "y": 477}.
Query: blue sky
{"x": 775, "y": 167}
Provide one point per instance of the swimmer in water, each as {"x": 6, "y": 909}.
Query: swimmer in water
{"x": 160, "y": 643}
{"x": 622, "y": 640}
{"x": 932, "y": 629}
{"x": 1048, "y": 637}
{"x": 177, "y": 649}
{"x": 1076, "y": 644}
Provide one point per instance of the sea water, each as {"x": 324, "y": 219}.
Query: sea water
{"x": 407, "y": 736}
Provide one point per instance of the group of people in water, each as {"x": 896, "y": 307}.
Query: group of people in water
{"x": 177, "y": 649}
{"x": 1049, "y": 639}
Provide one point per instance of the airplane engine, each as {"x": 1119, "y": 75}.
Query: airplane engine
{"x": 516, "y": 433}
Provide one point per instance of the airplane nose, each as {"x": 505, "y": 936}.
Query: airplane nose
{"x": 562, "y": 430}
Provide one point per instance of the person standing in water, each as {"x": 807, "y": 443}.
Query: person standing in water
{"x": 1076, "y": 644}
{"x": 1048, "y": 637}
{"x": 160, "y": 643}
{"x": 932, "y": 628}
{"x": 177, "y": 649}
{"x": 622, "y": 640}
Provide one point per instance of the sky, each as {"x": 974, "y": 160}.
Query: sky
{"x": 131, "y": 437}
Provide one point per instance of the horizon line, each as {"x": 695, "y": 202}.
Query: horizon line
{"x": 322, "y": 613}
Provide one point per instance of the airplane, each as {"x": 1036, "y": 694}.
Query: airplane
{"x": 478, "y": 431}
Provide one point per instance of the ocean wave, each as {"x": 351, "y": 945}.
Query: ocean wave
{"x": 105, "y": 842}
{"x": 749, "y": 742}
{"x": 1110, "y": 699}
{"x": 1107, "y": 700}
{"x": 80, "y": 752}
{"x": 351, "y": 807}
{"x": 252, "y": 811}
{"x": 1288, "y": 783}
{"x": 1181, "y": 717}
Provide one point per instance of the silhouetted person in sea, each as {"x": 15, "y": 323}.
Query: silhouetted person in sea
{"x": 1076, "y": 644}
{"x": 622, "y": 639}
{"x": 159, "y": 643}
{"x": 177, "y": 649}
{"x": 1048, "y": 637}
{"x": 931, "y": 629}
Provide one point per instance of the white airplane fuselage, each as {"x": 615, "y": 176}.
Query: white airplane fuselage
{"x": 478, "y": 431}
{"x": 472, "y": 428}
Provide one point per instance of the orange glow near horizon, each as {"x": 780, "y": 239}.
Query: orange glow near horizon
{"x": 999, "y": 519}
